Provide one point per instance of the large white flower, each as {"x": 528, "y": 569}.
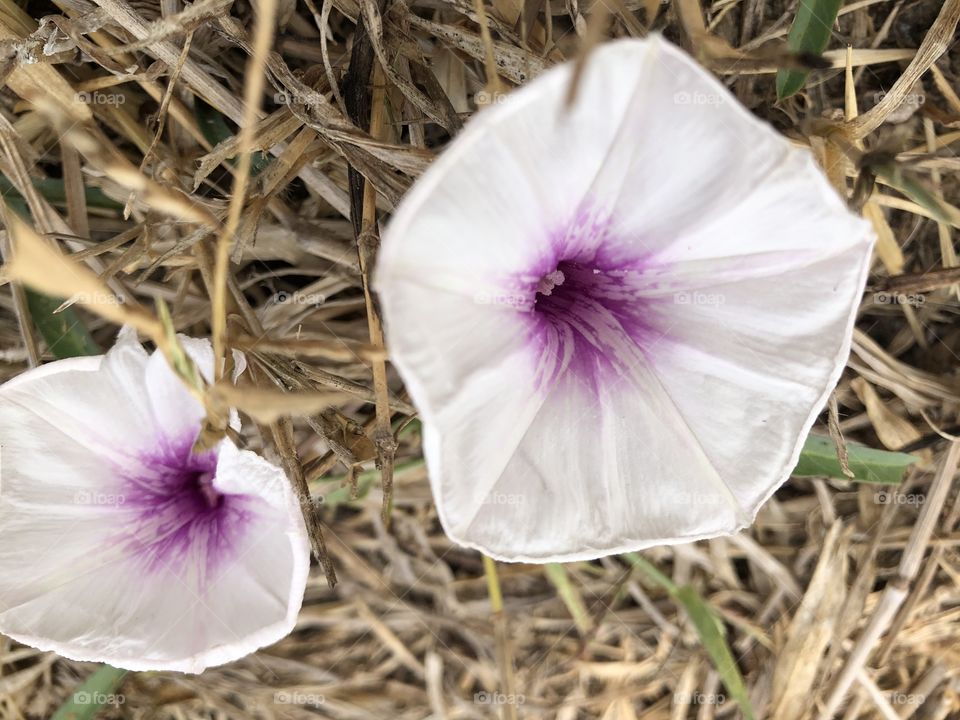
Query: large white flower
{"x": 118, "y": 543}
{"x": 618, "y": 320}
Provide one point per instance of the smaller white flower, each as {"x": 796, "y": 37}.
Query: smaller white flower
{"x": 119, "y": 544}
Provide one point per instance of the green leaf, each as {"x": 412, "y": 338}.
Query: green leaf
{"x": 897, "y": 177}
{"x": 650, "y": 570}
{"x": 92, "y": 695}
{"x": 214, "y": 128}
{"x": 64, "y": 332}
{"x": 809, "y": 33}
{"x": 708, "y": 626}
{"x": 819, "y": 458}
{"x": 52, "y": 189}
{"x": 710, "y": 630}
{"x": 341, "y": 494}
{"x": 557, "y": 575}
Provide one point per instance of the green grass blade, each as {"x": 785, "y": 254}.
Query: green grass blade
{"x": 809, "y": 33}
{"x": 53, "y": 190}
{"x": 711, "y": 635}
{"x": 910, "y": 185}
{"x": 557, "y": 575}
{"x": 92, "y": 695}
{"x": 648, "y": 569}
{"x": 819, "y": 458}
{"x": 708, "y": 627}
{"x": 342, "y": 493}
{"x": 214, "y": 128}
{"x": 64, "y": 332}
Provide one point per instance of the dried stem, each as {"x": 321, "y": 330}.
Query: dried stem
{"x": 252, "y": 92}
{"x": 896, "y": 590}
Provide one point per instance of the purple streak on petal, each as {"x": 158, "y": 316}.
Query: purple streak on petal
{"x": 588, "y": 313}
{"x": 174, "y": 516}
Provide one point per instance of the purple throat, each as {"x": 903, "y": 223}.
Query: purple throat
{"x": 589, "y": 313}
{"x": 174, "y": 517}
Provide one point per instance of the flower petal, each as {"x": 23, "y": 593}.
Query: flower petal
{"x": 98, "y": 402}
{"x": 764, "y": 356}
{"x": 489, "y": 184}
{"x": 595, "y": 474}
{"x": 173, "y": 405}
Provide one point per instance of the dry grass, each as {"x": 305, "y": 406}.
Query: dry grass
{"x": 834, "y": 600}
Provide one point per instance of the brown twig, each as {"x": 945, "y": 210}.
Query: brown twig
{"x": 366, "y": 109}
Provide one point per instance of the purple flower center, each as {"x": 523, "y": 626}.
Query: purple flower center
{"x": 174, "y": 516}
{"x": 589, "y": 315}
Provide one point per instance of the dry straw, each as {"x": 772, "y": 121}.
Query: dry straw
{"x": 842, "y": 600}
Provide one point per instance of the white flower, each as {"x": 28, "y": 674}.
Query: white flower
{"x": 117, "y": 543}
{"x": 624, "y": 316}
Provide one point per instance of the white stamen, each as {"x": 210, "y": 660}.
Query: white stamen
{"x": 549, "y": 281}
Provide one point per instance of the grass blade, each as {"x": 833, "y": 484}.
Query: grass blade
{"x": 214, "y": 128}
{"x": 809, "y": 34}
{"x": 53, "y": 190}
{"x": 819, "y": 458}
{"x": 64, "y": 332}
{"x": 92, "y": 695}
{"x": 557, "y": 575}
{"x": 708, "y": 626}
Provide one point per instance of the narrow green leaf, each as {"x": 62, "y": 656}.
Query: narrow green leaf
{"x": 93, "y": 694}
{"x": 64, "y": 332}
{"x": 819, "y": 458}
{"x": 897, "y": 177}
{"x": 648, "y": 568}
{"x": 215, "y": 129}
{"x": 709, "y": 628}
{"x": 342, "y": 492}
{"x": 557, "y": 575}
{"x": 343, "y": 495}
{"x": 809, "y": 33}
{"x": 52, "y": 189}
